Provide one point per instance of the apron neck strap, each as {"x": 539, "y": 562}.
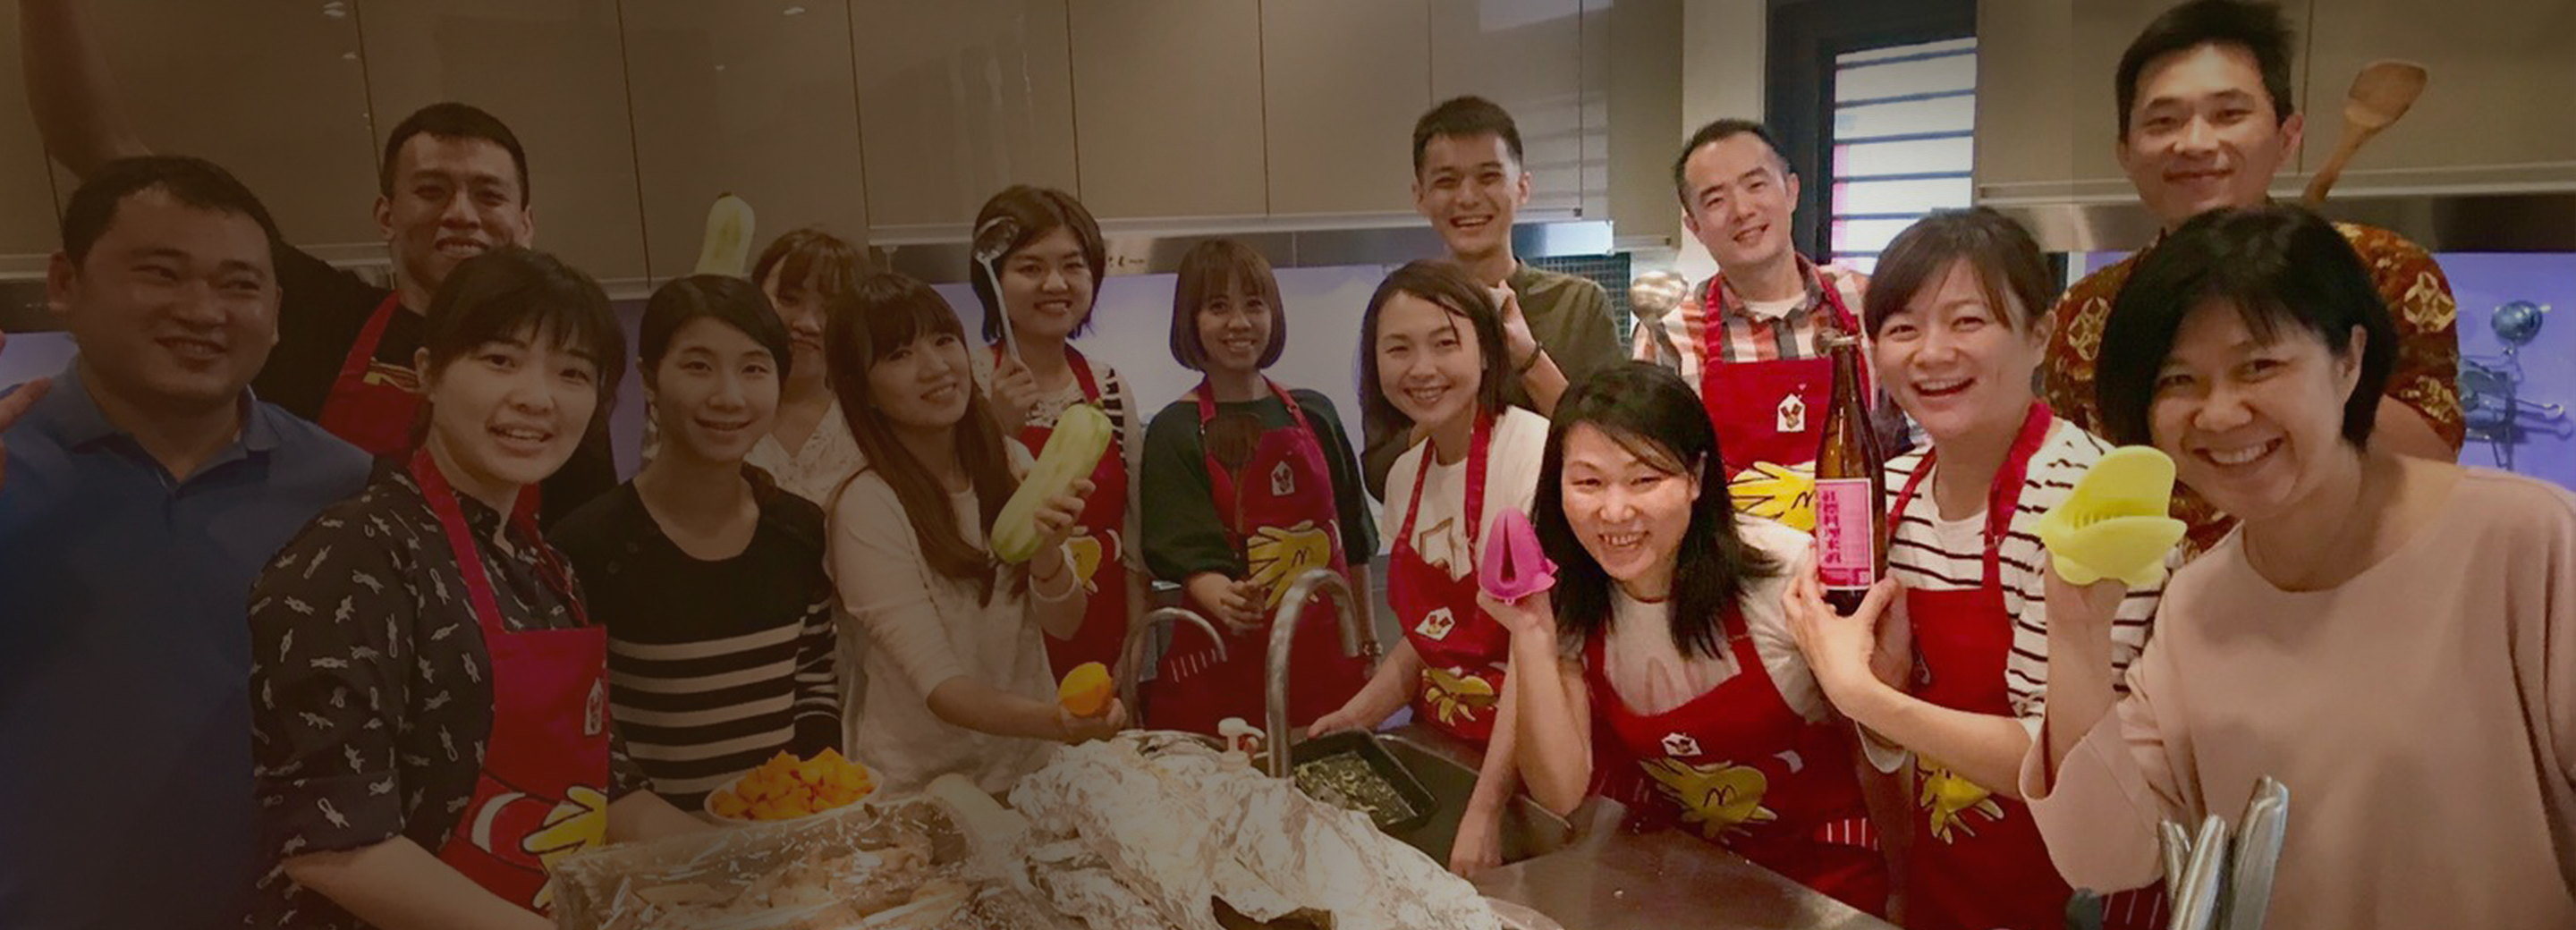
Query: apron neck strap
{"x": 2003, "y": 494}
{"x": 1479, "y": 439}
{"x": 452, "y": 524}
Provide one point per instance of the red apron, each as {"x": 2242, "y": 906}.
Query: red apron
{"x": 376, "y": 417}
{"x": 1978, "y": 861}
{"x": 1464, "y": 651}
{"x": 1742, "y": 769}
{"x": 1770, "y": 415}
{"x": 1290, "y": 525}
{"x": 1099, "y": 550}
{"x": 543, "y": 792}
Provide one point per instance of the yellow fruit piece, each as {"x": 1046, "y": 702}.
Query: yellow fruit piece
{"x": 1085, "y": 690}
{"x": 728, "y": 804}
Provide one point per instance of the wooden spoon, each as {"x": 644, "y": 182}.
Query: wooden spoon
{"x": 2380, "y": 94}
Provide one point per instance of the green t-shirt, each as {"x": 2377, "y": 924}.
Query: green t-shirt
{"x": 1185, "y": 534}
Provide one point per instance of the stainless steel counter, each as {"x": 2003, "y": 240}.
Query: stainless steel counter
{"x": 1605, "y": 877}
{"x": 1664, "y": 880}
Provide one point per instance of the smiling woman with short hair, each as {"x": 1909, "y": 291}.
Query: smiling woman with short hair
{"x": 2391, "y": 637}
{"x": 429, "y": 697}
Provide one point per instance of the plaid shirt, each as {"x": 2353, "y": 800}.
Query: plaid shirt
{"x": 1678, "y": 340}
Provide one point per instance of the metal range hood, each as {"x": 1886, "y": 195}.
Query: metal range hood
{"x": 942, "y": 255}
{"x": 2541, "y": 219}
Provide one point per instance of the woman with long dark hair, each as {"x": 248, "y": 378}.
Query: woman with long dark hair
{"x": 957, "y": 666}
{"x": 1668, "y": 624}
{"x": 1432, "y": 365}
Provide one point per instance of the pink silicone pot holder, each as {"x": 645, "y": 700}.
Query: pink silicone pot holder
{"x": 1514, "y": 568}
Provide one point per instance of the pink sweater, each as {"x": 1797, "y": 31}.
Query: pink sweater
{"x": 2423, "y": 715}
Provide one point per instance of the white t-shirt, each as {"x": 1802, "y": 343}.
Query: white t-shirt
{"x": 1515, "y": 450}
{"x": 1775, "y": 309}
{"x": 1650, "y": 671}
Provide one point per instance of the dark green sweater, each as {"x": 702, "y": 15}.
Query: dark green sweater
{"x": 1185, "y": 533}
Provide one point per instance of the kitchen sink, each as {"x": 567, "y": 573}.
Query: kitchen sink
{"x": 1446, "y": 766}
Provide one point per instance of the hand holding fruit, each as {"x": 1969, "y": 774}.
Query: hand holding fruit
{"x": 1086, "y": 705}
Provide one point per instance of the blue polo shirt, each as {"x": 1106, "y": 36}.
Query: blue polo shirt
{"x": 125, "y": 765}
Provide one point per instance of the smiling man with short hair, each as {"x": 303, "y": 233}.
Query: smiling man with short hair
{"x": 2207, "y": 119}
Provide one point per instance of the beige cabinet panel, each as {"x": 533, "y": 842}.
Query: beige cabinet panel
{"x": 2502, "y": 88}
{"x": 957, "y": 100}
{"x": 2026, "y": 95}
{"x": 1527, "y": 56}
{"x": 745, "y": 98}
{"x": 274, "y": 92}
{"x": 1645, "y": 116}
{"x": 1167, "y": 107}
{"x": 554, "y": 71}
{"x": 27, "y": 209}
{"x": 1342, "y": 83}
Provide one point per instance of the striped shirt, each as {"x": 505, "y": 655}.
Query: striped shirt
{"x": 1928, "y": 553}
{"x": 713, "y": 666}
{"x": 1678, "y": 340}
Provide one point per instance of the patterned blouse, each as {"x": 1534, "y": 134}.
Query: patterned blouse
{"x": 370, "y": 696}
{"x": 2426, "y": 377}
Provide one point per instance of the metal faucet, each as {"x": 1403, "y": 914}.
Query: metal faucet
{"x": 1131, "y": 654}
{"x": 1357, "y": 640}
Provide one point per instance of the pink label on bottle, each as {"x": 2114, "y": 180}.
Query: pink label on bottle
{"x": 1843, "y": 533}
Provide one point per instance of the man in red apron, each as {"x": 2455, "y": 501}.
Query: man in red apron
{"x": 1098, "y": 541}
{"x": 1748, "y": 339}
{"x": 1289, "y": 525}
{"x": 1741, "y": 768}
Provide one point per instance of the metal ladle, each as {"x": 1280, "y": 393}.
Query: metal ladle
{"x": 992, "y": 241}
{"x": 1651, "y": 297}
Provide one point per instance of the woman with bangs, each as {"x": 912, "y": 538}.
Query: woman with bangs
{"x": 430, "y": 718}
{"x": 1956, "y": 317}
{"x": 957, "y": 672}
{"x": 1432, "y": 362}
{"x": 1665, "y": 650}
{"x": 2392, "y": 638}
{"x": 708, "y": 576}
{"x": 1237, "y": 535}
{"x": 1044, "y": 279}
{"x": 809, "y": 451}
